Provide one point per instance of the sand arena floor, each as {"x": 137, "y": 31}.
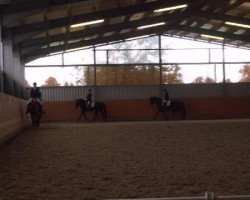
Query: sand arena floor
{"x": 127, "y": 160}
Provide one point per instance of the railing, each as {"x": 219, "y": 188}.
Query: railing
{"x": 145, "y": 91}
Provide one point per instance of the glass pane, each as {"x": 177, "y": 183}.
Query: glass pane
{"x": 59, "y": 76}
{"x": 128, "y": 75}
{"x": 178, "y": 43}
{"x": 237, "y": 55}
{"x": 41, "y": 74}
{"x": 185, "y": 56}
{"x": 133, "y": 56}
{"x": 176, "y": 74}
{"x": 101, "y": 57}
{"x": 216, "y": 55}
{"x": 237, "y": 72}
{"x": 143, "y": 43}
{"x": 85, "y": 75}
{"x": 49, "y": 60}
{"x": 79, "y": 57}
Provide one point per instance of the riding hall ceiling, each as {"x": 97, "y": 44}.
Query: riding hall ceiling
{"x": 42, "y": 27}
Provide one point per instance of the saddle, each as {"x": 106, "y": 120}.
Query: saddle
{"x": 90, "y": 104}
{"x": 166, "y": 103}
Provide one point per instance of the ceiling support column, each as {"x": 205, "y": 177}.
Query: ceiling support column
{"x": 1, "y": 55}
{"x": 8, "y": 68}
{"x": 160, "y": 65}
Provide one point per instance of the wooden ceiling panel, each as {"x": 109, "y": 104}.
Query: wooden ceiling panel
{"x": 55, "y": 14}
{"x": 38, "y": 17}
{"x": 48, "y": 21}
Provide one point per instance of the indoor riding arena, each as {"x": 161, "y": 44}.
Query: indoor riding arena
{"x": 125, "y": 99}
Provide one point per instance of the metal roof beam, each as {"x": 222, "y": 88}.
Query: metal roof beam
{"x": 34, "y": 5}
{"x": 158, "y": 30}
{"x": 222, "y": 17}
{"x": 103, "y": 29}
{"x": 132, "y": 24}
{"x": 33, "y": 51}
{"x": 111, "y": 13}
{"x": 225, "y": 35}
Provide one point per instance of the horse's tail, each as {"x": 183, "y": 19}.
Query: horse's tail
{"x": 183, "y": 110}
{"x": 105, "y": 111}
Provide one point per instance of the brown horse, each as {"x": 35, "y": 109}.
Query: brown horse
{"x": 35, "y": 110}
{"x": 175, "y": 106}
{"x": 99, "y": 107}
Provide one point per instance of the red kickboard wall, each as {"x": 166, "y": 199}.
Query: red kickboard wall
{"x": 132, "y": 110}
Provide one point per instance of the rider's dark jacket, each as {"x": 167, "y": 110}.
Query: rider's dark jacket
{"x": 89, "y": 97}
{"x": 35, "y": 93}
{"x": 166, "y": 97}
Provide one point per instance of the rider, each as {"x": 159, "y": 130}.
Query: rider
{"x": 35, "y": 94}
{"x": 89, "y": 98}
{"x": 165, "y": 99}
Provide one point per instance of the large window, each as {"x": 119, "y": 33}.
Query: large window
{"x": 79, "y": 57}
{"x": 128, "y": 75}
{"x": 202, "y": 73}
{"x": 136, "y": 62}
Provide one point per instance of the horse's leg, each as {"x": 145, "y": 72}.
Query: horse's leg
{"x": 32, "y": 121}
{"x": 84, "y": 114}
{"x": 103, "y": 115}
{"x": 183, "y": 111}
{"x": 38, "y": 120}
{"x": 157, "y": 112}
{"x": 174, "y": 111}
{"x": 165, "y": 115}
{"x": 35, "y": 121}
{"x": 80, "y": 116}
{"x": 96, "y": 112}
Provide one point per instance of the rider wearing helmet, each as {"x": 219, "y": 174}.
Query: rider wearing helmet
{"x": 89, "y": 98}
{"x": 35, "y": 95}
{"x": 165, "y": 99}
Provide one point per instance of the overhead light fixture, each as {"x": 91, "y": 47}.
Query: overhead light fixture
{"x": 151, "y": 25}
{"x": 77, "y": 49}
{"x": 212, "y": 36}
{"x": 237, "y": 24}
{"x": 87, "y": 23}
{"x": 56, "y": 53}
{"x": 171, "y": 8}
{"x": 136, "y": 38}
{"x": 117, "y": 41}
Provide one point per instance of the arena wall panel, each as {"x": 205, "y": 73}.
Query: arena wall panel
{"x": 140, "y": 109}
{"x": 182, "y": 91}
{"x": 12, "y": 116}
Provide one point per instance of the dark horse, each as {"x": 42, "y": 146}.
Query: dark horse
{"x": 175, "y": 106}
{"x": 99, "y": 107}
{"x": 35, "y": 110}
